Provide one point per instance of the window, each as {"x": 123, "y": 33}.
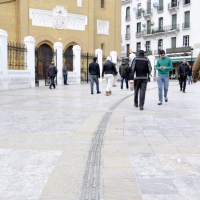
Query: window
{"x": 149, "y": 27}
{"x": 148, "y": 7}
{"x": 139, "y": 27}
{"x": 187, "y": 20}
{"x": 174, "y": 3}
{"x": 160, "y": 23}
{"x": 186, "y": 2}
{"x": 148, "y": 46}
{"x": 174, "y": 22}
{"x": 174, "y": 42}
{"x": 128, "y": 13}
{"x": 138, "y": 46}
{"x": 186, "y": 41}
{"x": 102, "y": 4}
{"x": 127, "y": 32}
{"x": 127, "y": 50}
{"x": 139, "y": 12}
{"x": 160, "y": 43}
{"x": 160, "y": 6}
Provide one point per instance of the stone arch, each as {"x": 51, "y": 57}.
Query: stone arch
{"x": 45, "y": 40}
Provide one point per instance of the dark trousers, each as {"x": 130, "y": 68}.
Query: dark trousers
{"x": 183, "y": 80}
{"x": 140, "y": 85}
{"x": 65, "y": 79}
{"x": 94, "y": 78}
{"x": 122, "y": 81}
{"x": 52, "y": 81}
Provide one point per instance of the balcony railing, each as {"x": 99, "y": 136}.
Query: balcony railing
{"x": 178, "y": 50}
{"x": 149, "y": 53}
{"x": 161, "y": 30}
{"x": 172, "y": 5}
{"x": 147, "y": 12}
{"x": 127, "y": 18}
{"x": 127, "y": 36}
{"x": 160, "y": 8}
{"x": 185, "y": 2}
{"x": 139, "y": 34}
{"x": 138, "y": 14}
{"x": 186, "y": 25}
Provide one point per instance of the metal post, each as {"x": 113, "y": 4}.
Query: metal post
{"x": 87, "y": 66}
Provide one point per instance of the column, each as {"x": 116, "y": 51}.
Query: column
{"x": 3, "y": 59}
{"x": 152, "y": 61}
{"x": 77, "y": 62}
{"x": 59, "y": 47}
{"x": 99, "y": 55}
{"x": 30, "y": 45}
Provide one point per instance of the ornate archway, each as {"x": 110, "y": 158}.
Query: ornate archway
{"x": 68, "y": 58}
{"x": 41, "y": 60}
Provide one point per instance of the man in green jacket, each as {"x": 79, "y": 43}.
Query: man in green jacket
{"x": 164, "y": 65}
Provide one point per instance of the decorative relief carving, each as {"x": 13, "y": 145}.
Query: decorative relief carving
{"x": 102, "y": 27}
{"x": 59, "y": 18}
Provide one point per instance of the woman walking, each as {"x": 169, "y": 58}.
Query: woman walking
{"x": 108, "y": 70}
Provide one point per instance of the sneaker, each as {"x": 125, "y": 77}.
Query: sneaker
{"x": 107, "y": 93}
{"x": 141, "y": 108}
{"x": 166, "y": 99}
{"x": 160, "y": 103}
{"x": 110, "y": 92}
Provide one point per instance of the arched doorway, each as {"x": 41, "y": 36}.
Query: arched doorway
{"x": 41, "y": 59}
{"x": 68, "y": 58}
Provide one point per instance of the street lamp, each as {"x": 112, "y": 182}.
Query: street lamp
{"x": 191, "y": 56}
{"x": 159, "y": 48}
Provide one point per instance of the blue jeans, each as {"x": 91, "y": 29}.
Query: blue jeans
{"x": 190, "y": 80}
{"x": 122, "y": 81}
{"x": 163, "y": 81}
{"x": 94, "y": 78}
{"x": 65, "y": 79}
{"x": 52, "y": 81}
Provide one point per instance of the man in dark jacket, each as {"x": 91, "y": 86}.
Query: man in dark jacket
{"x": 182, "y": 73}
{"x": 124, "y": 73}
{"x": 142, "y": 67}
{"x": 52, "y": 72}
{"x": 94, "y": 71}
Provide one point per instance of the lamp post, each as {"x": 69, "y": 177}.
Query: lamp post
{"x": 159, "y": 48}
{"x": 191, "y": 56}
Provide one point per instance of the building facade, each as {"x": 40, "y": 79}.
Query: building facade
{"x": 90, "y": 24}
{"x": 153, "y": 25}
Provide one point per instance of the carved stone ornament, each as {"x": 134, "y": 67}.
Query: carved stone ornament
{"x": 59, "y": 18}
{"x": 103, "y": 27}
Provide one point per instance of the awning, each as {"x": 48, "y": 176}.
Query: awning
{"x": 180, "y": 60}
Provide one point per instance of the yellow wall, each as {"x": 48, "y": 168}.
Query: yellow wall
{"x": 18, "y": 25}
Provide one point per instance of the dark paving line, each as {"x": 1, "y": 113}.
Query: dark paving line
{"x": 91, "y": 185}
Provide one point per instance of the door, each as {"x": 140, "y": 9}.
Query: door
{"x": 174, "y": 22}
{"x": 187, "y": 19}
{"x": 128, "y": 49}
{"x": 68, "y": 58}
{"x": 160, "y": 22}
{"x": 149, "y": 27}
{"x": 139, "y": 27}
{"x": 148, "y": 7}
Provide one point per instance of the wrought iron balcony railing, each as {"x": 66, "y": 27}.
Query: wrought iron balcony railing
{"x": 127, "y": 36}
{"x": 173, "y": 4}
{"x": 186, "y": 25}
{"x": 127, "y": 18}
{"x": 178, "y": 50}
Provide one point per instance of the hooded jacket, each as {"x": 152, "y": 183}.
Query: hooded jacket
{"x": 109, "y": 68}
{"x": 124, "y": 69}
{"x": 141, "y": 67}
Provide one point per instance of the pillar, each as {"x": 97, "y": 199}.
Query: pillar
{"x": 77, "y": 62}
{"x": 4, "y": 59}
{"x": 99, "y": 54}
{"x": 30, "y": 45}
{"x": 113, "y": 55}
{"x": 58, "y": 46}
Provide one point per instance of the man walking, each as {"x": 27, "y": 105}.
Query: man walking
{"x": 164, "y": 65}
{"x": 195, "y": 70}
{"x": 109, "y": 69}
{"x": 142, "y": 67}
{"x": 52, "y": 72}
{"x": 182, "y": 73}
{"x": 94, "y": 71}
{"x": 65, "y": 74}
{"x": 190, "y": 75}
{"x": 124, "y": 73}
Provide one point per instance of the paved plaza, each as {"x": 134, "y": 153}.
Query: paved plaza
{"x": 66, "y": 144}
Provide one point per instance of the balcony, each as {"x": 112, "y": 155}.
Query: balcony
{"x": 173, "y": 7}
{"x": 148, "y": 13}
{"x": 186, "y": 2}
{"x": 186, "y": 25}
{"x": 127, "y": 18}
{"x": 127, "y": 36}
{"x": 148, "y": 53}
{"x": 160, "y": 8}
{"x": 161, "y": 30}
{"x": 138, "y": 35}
{"x": 138, "y": 14}
{"x": 179, "y": 50}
